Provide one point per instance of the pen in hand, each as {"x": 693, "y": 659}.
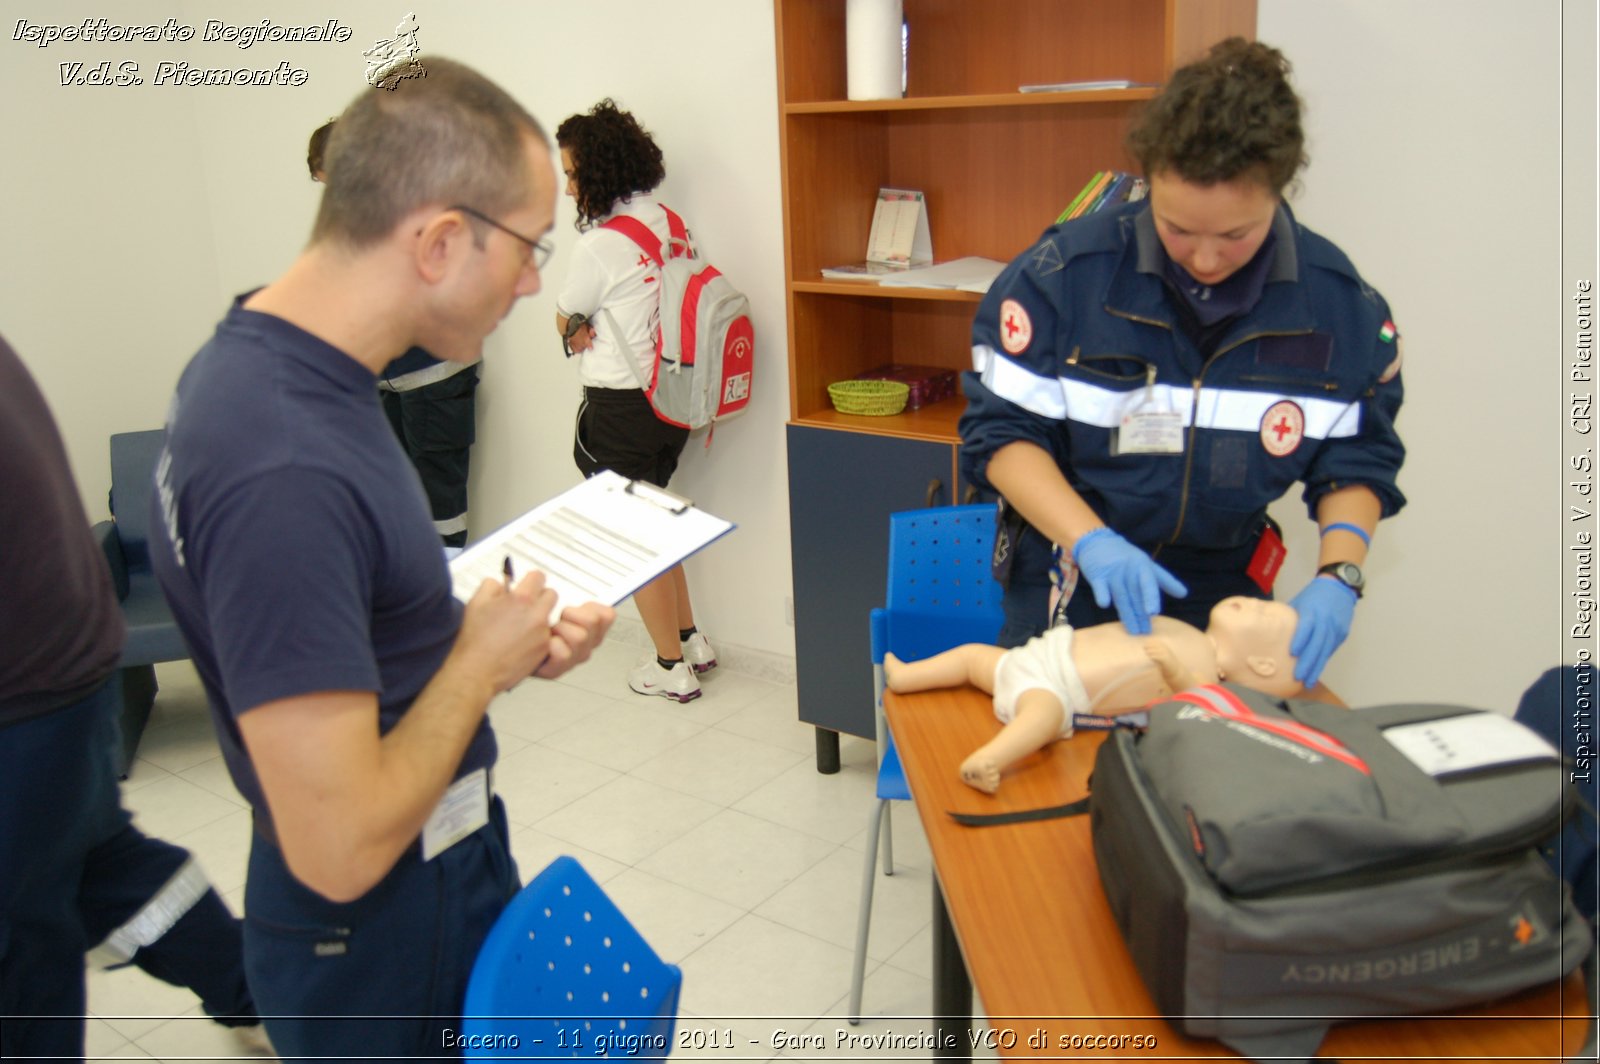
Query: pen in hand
{"x": 510, "y": 576}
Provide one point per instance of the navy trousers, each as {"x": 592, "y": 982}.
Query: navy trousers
{"x": 73, "y": 868}
{"x": 382, "y": 976}
{"x": 436, "y": 424}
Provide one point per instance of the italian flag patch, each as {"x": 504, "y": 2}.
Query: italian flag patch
{"x": 1388, "y": 332}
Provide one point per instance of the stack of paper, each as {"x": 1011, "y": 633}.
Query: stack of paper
{"x": 970, "y": 274}
{"x": 862, "y": 271}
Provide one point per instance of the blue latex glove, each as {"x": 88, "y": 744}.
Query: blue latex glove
{"x": 1122, "y": 574}
{"x": 1326, "y": 607}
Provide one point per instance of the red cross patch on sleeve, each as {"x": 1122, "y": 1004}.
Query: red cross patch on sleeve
{"x": 1016, "y": 329}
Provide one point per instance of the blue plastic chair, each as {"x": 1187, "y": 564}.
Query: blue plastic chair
{"x": 564, "y": 974}
{"x": 941, "y": 594}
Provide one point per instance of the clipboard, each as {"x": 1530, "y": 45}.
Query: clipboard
{"x": 597, "y": 542}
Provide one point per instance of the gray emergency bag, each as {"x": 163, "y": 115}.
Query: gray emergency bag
{"x": 1278, "y": 865}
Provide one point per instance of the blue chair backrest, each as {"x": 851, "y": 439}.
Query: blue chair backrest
{"x": 133, "y": 464}
{"x": 564, "y": 974}
{"x": 941, "y": 591}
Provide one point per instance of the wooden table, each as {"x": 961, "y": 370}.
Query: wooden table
{"x": 1023, "y": 906}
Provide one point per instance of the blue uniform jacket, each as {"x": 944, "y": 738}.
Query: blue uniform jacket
{"x": 1080, "y": 329}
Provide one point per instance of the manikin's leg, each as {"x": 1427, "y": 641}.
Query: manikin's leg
{"x": 971, "y": 663}
{"x": 1037, "y": 722}
{"x": 664, "y": 607}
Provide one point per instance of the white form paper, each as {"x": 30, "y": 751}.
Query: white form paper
{"x": 598, "y": 542}
{"x": 973, "y": 273}
{"x": 1469, "y": 741}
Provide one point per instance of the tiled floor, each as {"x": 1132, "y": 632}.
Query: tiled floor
{"x": 707, "y": 823}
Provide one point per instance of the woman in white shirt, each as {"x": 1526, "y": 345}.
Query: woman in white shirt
{"x": 608, "y": 314}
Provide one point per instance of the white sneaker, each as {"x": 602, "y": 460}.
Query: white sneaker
{"x": 677, "y": 683}
{"x": 698, "y": 653}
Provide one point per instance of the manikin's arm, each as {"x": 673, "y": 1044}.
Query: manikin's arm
{"x": 1176, "y": 675}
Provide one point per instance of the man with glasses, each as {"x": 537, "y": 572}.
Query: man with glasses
{"x": 348, "y": 688}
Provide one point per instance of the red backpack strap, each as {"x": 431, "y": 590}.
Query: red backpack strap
{"x": 638, "y": 232}
{"x": 677, "y": 231}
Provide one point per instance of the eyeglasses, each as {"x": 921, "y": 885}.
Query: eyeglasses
{"x": 541, "y": 249}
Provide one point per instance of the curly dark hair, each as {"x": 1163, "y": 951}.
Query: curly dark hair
{"x": 1230, "y": 115}
{"x": 612, "y": 158}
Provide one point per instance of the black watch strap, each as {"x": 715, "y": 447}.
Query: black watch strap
{"x": 1347, "y": 573}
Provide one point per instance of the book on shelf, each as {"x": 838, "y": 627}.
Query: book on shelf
{"x": 1083, "y": 194}
{"x": 1107, "y": 188}
{"x": 1087, "y": 86}
{"x": 1087, "y": 195}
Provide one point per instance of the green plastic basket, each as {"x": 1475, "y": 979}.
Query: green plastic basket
{"x": 873, "y": 398}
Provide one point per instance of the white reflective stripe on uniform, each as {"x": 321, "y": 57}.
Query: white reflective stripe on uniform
{"x": 1218, "y": 408}
{"x": 410, "y": 382}
{"x": 451, "y": 526}
{"x": 1225, "y": 408}
{"x": 176, "y": 897}
{"x": 1035, "y": 394}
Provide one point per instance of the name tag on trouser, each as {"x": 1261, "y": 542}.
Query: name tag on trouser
{"x": 463, "y": 810}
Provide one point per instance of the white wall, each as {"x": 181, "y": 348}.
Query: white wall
{"x": 132, "y": 214}
{"x": 1434, "y": 145}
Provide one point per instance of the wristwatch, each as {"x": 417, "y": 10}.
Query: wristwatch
{"x": 1347, "y": 573}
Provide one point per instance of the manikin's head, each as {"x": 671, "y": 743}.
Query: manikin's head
{"x": 1252, "y": 640}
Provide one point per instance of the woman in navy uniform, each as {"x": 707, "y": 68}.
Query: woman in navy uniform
{"x": 1148, "y": 379}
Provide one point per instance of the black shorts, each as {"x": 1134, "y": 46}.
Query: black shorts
{"x": 618, "y": 430}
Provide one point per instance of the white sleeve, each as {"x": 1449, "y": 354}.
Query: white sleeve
{"x": 587, "y": 282}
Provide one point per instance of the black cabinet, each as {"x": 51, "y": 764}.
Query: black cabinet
{"x": 842, "y": 488}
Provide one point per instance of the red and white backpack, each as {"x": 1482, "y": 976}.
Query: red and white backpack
{"x": 705, "y": 345}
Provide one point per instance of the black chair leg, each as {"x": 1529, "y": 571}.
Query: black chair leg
{"x": 138, "y": 695}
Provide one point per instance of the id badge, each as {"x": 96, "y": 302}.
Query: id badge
{"x": 463, "y": 810}
{"x": 1150, "y": 425}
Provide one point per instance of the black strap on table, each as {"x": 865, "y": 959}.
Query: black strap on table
{"x": 1020, "y": 816}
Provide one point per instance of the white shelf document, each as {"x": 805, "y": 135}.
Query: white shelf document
{"x": 598, "y": 542}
